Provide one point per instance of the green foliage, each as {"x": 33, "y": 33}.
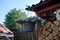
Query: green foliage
{"x": 12, "y": 16}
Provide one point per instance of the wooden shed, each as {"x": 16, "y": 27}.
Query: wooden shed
{"x": 45, "y": 9}
{"x": 5, "y": 33}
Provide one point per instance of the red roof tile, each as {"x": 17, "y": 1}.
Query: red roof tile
{"x": 4, "y": 29}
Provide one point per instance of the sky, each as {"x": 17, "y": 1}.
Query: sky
{"x": 7, "y": 5}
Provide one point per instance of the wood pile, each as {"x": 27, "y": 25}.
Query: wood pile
{"x": 50, "y": 31}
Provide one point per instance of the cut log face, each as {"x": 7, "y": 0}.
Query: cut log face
{"x": 50, "y": 31}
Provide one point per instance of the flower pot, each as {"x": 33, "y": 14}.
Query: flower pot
{"x": 28, "y": 26}
{"x": 58, "y": 14}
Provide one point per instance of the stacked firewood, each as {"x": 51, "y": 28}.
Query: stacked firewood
{"x": 49, "y": 31}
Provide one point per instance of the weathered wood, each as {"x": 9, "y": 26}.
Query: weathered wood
{"x": 49, "y": 37}
{"x": 54, "y": 33}
{"x": 45, "y": 33}
{"x": 50, "y": 31}
{"x": 56, "y": 38}
{"x": 57, "y": 22}
{"x": 59, "y": 34}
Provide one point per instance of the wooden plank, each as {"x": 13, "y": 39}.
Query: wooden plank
{"x": 45, "y": 33}
{"x": 49, "y": 37}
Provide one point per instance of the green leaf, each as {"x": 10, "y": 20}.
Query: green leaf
{"x": 12, "y": 16}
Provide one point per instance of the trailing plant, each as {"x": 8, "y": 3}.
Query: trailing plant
{"x": 36, "y": 20}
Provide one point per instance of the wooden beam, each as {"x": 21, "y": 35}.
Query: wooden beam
{"x": 40, "y": 4}
{"x": 48, "y": 8}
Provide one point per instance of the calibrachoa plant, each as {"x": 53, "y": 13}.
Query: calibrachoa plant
{"x": 34, "y": 19}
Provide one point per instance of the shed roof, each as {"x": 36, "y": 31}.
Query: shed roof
{"x": 4, "y": 29}
{"x": 44, "y": 6}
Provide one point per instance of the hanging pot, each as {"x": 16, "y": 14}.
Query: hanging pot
{"x": 28, "y": 26}
{"x": 58, "y": 14}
